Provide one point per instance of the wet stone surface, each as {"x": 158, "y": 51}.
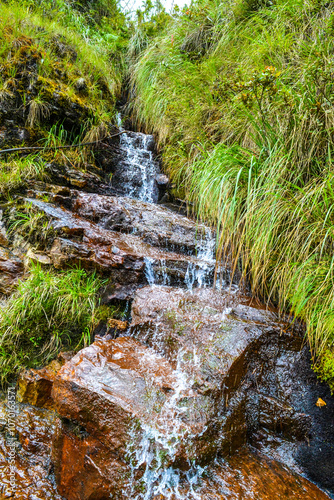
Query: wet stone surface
{"x": 32, "y": 467}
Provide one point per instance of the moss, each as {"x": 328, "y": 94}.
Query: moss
{"x": 325, "y": 368}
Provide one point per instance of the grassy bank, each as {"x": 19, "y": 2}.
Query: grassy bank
{"x": 49, "y": 310}
{"x": 58, "y": 74}
{"x": 240, "y": 94}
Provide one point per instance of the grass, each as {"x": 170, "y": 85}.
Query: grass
{"x": 14, "y": 173}
{"x": 241, "y": 98}
{"x": 48, "y": 311}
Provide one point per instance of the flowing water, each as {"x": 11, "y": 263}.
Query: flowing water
{"x": 153, "y": 448}
{"x": 139, "y": 176}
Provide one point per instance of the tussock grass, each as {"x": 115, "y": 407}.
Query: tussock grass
{"x": 241, "y": 98}
{"x": 49, "y": 311}
{"x": 14, "y": 173}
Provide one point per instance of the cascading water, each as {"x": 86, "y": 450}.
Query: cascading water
{"x": 172, "y": 423}
{"x": 152, "y": 449}
{"x": 137, "y": 178}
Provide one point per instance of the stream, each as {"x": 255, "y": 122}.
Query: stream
{"x": 204, "y": 394}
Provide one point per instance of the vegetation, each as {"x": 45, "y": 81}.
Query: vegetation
{"x": 49, "y": 311}
{"x": 53, "y": 73}
{"x": 61, "y": 66}
{"x": 240, "y": 94}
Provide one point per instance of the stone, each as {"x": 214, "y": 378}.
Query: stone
{"x": 11, "y": 269}
{"x": 34, "y": 385}
{"x": 32, "y": 466}
{"x": 38, "y": 257}
{"x": 106, "y": 383}
{"x": 249, "y": 475}
{"x": 84, "y": 467}
{"x": 81, "y": 242}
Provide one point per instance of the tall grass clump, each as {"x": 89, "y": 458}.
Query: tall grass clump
{"x": 240, "y": 95}
{"x": 49, "y": 310}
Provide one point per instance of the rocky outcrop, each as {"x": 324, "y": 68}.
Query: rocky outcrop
{"x": 183, "y": 397}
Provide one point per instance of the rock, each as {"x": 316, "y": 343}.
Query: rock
{"x": 248, "y": 475}
{"x": 85, "y": 468}
{"x": 87, "y": 181}
{"x": 105, "y": 389}
{"x": 85, "y": 243}
{"x": 156, "y": 225}
{"x": 162, "y": 180}
{"x": 109, "y": 376}
{"x": 120, "y": 392}
{"x": 32, "y": 465}
{"x": 38, "y": 257}
{"x": 11, "y": 269}
{"x": 117, "y": 292}
{"x": 34, "y": 386}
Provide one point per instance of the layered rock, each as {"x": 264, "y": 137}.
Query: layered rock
{"x": 127, "y": 258}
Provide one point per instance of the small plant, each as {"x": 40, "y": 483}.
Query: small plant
{"x": 38, "y": 110}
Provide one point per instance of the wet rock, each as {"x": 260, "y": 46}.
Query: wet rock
{"x": 117, "y": 292}
{"x": 205, "y": 335}
{"x": 106, "y": 383}
{"x": 85, "y": 243}
{"x": 11, "y": 269}
{"x": 85, "y": 468}
{"x": 104, "y": 389}
{"x": 86, "y": 181}
{"x": 32, "y": 465}
{"x": 286, "y": 381}
{"x": 155, "y": 224}
{"x": 34, "y": 386}
{"x": 162, "y": 180}
{"x": 255, "y": 477}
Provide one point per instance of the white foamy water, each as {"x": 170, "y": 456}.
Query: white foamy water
{"x": 141, "y": 168}
{"x": 153, "y": 448}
